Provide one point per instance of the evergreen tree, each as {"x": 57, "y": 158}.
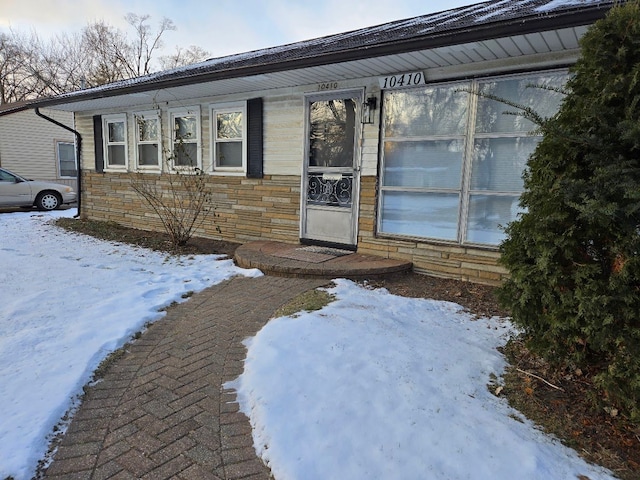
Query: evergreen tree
{"x": 574, "y": 256}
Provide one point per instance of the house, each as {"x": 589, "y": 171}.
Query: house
{"x": 36, "y": 148}
{"x": 381, "y": 140}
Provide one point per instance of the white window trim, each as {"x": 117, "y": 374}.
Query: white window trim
{"x": 225, "y": 108}
{"x": 148, "y": 115}
{"x": 121, "y": 117}
{"x": 58, "y": 143}
{"x": 184, "y": 112}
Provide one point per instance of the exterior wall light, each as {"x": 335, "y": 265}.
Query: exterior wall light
{"x": 369, "y": 110}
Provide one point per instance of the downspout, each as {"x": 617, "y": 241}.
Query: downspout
{"x": 78, "y": 150}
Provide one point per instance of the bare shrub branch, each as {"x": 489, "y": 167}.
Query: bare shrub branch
{"x": 181, "y": 197}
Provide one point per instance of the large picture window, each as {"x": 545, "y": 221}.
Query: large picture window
{"x": 115, "y": 142}
{"x": 148, "y": 146}
{"x": 452, "y": 161}
{"x": 228, "y": 138}
{"x": 185, "y": 134}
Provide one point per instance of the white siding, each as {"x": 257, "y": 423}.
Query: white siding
{"x": 284, "y": 135}
{"x": 28, "y": 143}
{"x": 84, "y": 124}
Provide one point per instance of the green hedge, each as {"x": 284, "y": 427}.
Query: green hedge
{"x": 574, "y": 256}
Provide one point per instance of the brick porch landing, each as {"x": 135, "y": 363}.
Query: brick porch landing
{"x": 287, "y": 260}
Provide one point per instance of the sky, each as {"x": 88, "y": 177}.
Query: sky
{"x": 372, "y": 386}
{"x": 221, "y": 27}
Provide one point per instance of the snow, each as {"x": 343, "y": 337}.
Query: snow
{"x": 371, "y": 386}
{"x": 376, "y": 386}
{"x": 66, "y": 302}
{"x": 557, "y": 4}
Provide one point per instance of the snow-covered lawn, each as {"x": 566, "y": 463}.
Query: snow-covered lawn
{"x": 376, "y": 386}
{"x": 66, "y": 302}
{"x": 373, "y": 386}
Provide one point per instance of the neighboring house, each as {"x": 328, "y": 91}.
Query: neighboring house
{"x": 36, "y": 148}
{"x": 370, "y": 140}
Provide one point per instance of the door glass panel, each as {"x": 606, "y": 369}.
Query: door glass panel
{"x": 332, "y": 132}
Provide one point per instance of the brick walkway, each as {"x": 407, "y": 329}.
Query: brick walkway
{"x": 160, "y": 410}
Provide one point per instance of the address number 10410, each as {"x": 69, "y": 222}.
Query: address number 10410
{"x": 403, "y": 80}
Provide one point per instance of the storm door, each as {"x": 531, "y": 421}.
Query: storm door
{"x": 330, "y": 179}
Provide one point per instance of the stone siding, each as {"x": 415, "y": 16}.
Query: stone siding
{"x": 269, "y": 209}
{"x": 245, "y": 209}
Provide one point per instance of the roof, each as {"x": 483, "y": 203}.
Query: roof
{"x": 475, "y": 23}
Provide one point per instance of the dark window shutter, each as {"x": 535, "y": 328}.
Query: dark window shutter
{"x": 97, "y": 140}
{"x": 254, "y": 143}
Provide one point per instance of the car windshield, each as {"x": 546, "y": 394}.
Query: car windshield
{"x": 7, "y": 176}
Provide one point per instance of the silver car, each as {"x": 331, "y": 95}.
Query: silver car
{"x": 17, "y": 191}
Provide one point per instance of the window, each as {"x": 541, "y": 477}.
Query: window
{"x": 115, "y": 142}
{"x": 185, "y": 144}
{"x": 228, "y": 133}
{"x": 148, "y": 146}
{"x": 66, "y": 153}
{"x": 453, "y": 162}
{"x": 7, "y": 177}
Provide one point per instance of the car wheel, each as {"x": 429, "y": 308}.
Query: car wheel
{"x": 48, "y": 201}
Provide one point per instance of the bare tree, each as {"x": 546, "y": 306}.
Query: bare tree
{"x": 59, "y": 65}
{"x": 98, "y": 55}
{"x": 141, "y": 52}
{"x": 9, "y": 69}
{"x": 17, "y": 78}
{"x": 183, "y": 56}
{"x": 109, "y": 54}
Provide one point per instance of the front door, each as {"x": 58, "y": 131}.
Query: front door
{"x": 331, "y": 174}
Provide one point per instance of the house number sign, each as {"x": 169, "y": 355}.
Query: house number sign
{"x": 400, "y": 80}
{"x": 327, "y": 86}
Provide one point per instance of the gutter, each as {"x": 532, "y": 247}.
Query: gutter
{"x": 78, "y": 150}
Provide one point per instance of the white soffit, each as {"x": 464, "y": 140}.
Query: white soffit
{"x": 546, "y": 48}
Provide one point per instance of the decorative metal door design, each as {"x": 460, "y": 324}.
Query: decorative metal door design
{"x": 330, "y": 180}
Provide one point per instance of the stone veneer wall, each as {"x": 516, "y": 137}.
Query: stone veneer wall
{"x": 245, "y": 209}
{"x": 443, "y": 260}
{"x": 269, "y": 208}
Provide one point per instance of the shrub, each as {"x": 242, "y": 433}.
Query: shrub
{"x": 574, "y": 256}
{"x": 181, "y": 199}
